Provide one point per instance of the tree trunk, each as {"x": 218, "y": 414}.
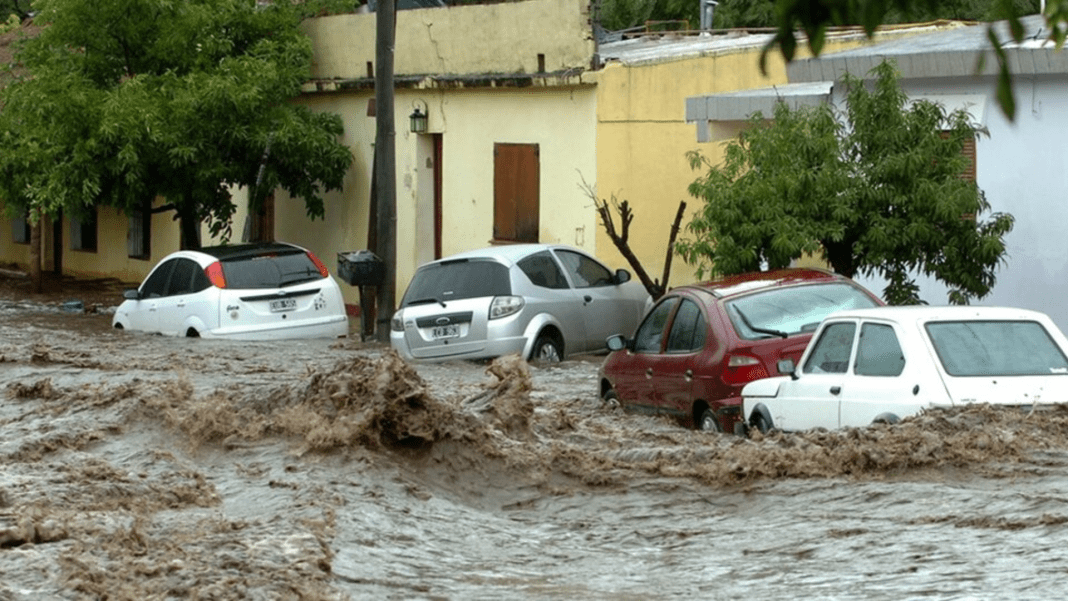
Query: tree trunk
{"x": 35, "y": 253}
{"x": 189, "y": 224}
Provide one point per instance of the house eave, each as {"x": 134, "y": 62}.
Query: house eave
{"x": 561, "y": 79}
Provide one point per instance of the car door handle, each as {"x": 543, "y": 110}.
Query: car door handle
{"x": 688, "y": 375}
{"x": 648, "y": 372}
{"x": 836, "y": 389}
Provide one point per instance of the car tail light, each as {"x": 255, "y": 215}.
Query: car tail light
{"x": 319, "y": 264}
{"x": 503, "y": 306}
{"x": 742, "y": 369}
{"x": 215, "y": 275}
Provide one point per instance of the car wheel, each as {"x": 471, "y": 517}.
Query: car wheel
{"x": 546, "y": 350}
{"x": 611, "y": 399}
{"x": 760, "y": 419}
{"x": 708, "y": 422}
{"x": 886, "y": 418}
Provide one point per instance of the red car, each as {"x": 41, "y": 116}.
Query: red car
{"x": 700, "y": 344}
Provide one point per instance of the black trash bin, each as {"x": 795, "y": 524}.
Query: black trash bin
{"x": 361, "y": 268}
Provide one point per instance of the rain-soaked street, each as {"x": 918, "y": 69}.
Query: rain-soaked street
{"x": 139, "y": 467}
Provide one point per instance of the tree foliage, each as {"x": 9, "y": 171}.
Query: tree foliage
{"x": 877, "y": 190}
{"x": 615, "y": 15}
{"x": 119, "y": 101}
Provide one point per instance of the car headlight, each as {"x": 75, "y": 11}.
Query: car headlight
{"x": 397, "y": 323}
{"x": 503, "y": 306}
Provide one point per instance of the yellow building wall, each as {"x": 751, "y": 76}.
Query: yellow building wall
{"x": 561, "y": 121}
{"x": 109, "y": 260}
{"x": 643, "y": 138}
{"x": 479, "y": 38}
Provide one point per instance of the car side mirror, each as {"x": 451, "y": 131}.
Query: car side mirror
{"x": 616, "y": 342}
{"x": 622, "y": 276}
{"x": 131, "y": 294}
{"x": 787, "y": 368}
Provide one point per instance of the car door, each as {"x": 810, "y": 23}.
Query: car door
{"x": 144, "y": 316}
{"x": 812, "y": 399}
{"x": 553, "y": 293}
{"x": 601, "y": 302}
{"x": 880, "y": 382}
{"x": 185, "y": 304}
{"x": 634, "y": 368}
{"x": 673, "y": 370}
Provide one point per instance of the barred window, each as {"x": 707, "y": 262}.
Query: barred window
{"x": 138, "y": 234}
{"x": 20, "y": 229}
{"x": 83, "y": 231}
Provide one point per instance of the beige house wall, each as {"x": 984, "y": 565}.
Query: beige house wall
{"x": 643, "y": 138}
{"x": 561, "y": 121}
{"x": 480, "y": 38}
{"x": 109, "y": 260}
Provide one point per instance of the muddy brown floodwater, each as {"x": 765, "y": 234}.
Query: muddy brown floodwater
{"x": 140, "y": 467}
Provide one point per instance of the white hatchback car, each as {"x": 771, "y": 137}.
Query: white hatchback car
{"x": 244, "y": 292}
{"x": 543, "y": 302}
{"x": 880, "y": 365}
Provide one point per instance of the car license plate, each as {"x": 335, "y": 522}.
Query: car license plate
{"x": 449, "y": 331}
{"x": 283, "y": 304}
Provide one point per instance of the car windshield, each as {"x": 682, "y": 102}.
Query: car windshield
{"x": 270, "y": 271}
{"x": 792, "y": 310}
{"x": 996, "y": 348}
{"x": 456, "y": 280}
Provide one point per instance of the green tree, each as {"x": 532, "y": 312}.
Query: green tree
{"x": 615, "y": 15}
{"x": 119, "y": 101}
{"x": 877, "y": 190}
{"x": 19, "y": 8}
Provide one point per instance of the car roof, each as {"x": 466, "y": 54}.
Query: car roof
{"x": 505, "y": 253}
{"x": 923, "y": 313}
{"x": 240, "y": 251}
{"x": 745, "y": 283}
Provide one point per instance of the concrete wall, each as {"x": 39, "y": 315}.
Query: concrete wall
{"x": 480, "y": 38}
{"x": 560, "y": 120}
{"x": 643, "y": 138}
{"x": 1022, "y": 167}
{"x": 110, "y": 259}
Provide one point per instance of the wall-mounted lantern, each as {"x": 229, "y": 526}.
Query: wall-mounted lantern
{"x": 419, "y": 118}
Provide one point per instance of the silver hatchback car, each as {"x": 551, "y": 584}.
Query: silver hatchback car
{"x": 544, "y": 302}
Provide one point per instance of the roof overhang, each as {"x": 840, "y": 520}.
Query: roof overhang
{"x": 739, "y": 106}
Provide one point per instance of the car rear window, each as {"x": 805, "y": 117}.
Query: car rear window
{"x": 792, "y": 310}
{"x": 996, "y": 348}
{"x": 456, "y": 280}
{"x": 270, "y": 271}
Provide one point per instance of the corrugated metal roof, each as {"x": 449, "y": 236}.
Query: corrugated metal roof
{"x": 950, "y": 52}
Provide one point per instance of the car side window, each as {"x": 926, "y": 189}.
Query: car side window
{"x": 688, "y": 330}
{"x": 543, "y": 271}
{"x": 831, "y": 352}
{"x": 200, "y": 279}
{"x": 156, "y": 284}
{"x": 878, "y": 352}
{"x": 182, "y": 278}
{"x": 584, "y": 271}
{"x": 651, "y": 333}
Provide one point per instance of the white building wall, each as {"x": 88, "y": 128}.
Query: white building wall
{"x": 1022, "y": 166}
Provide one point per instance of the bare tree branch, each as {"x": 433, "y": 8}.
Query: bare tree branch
{"x": 619, "y": 238}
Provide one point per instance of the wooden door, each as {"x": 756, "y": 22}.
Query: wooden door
{"x": 516, "y": 189}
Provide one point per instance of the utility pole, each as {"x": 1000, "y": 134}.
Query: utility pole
{"x": 385, "y": 164}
